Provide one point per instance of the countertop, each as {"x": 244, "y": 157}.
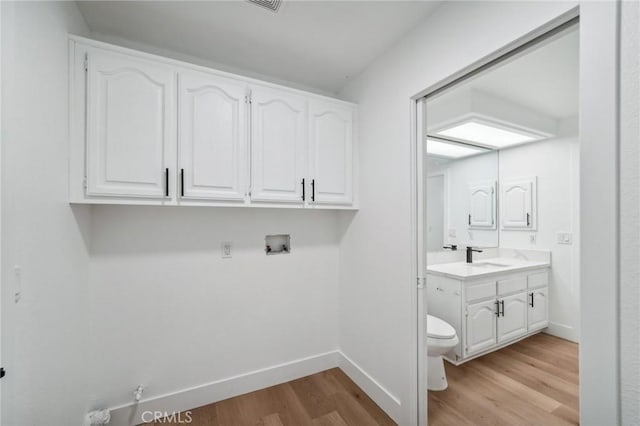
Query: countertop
{"x": 485, "y": 268}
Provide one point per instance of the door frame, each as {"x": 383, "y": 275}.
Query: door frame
{"x": 445, "y": 201}
{"x": 599, "y": 228}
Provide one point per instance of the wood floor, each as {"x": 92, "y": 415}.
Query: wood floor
{"x": 328, "y": 398}
{"x": 532, "y": 382}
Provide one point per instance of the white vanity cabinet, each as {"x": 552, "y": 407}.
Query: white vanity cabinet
{"x": 152, "y": 130}
{"x": 481, "y": 332}
{"x": 490, "y": 313}
{"x": 512, "y": 318}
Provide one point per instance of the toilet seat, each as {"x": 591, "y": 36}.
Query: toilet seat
{"x": 439, "y": 329}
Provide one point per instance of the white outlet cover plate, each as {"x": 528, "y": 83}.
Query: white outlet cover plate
{"x": 226, "y": 250}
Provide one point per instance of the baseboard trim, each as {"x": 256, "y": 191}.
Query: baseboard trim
{"x": 380, "y": 395}
{"x": 562, "y": 331}
{"x": 185, "y": 399}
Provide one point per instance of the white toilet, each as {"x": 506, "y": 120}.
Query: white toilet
{"x": 441, "y": 338}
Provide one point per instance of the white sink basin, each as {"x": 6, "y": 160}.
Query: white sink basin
{"x": 490, "y": 265}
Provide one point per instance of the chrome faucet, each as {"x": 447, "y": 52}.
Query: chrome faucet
{"x": 470, "y": 251}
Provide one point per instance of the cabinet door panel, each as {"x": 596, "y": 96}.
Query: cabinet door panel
{"x": 518, "y": 204}
{"x": 482, "y": 202}
{"x": 538, "y": 309}
{"x": 513, "y": 321}
{"x": 278, "y": 146}
{"x": 130, "y": 126}
{"x": 331, "y": 152}
{"x": 212, "y": 137}
{"x": 481, "y": 326}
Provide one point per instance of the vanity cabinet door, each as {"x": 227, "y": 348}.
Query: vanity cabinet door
{"x": 518, "y": 200}
{"x": 212, "y": 137}
{"x": 482, "y": 205}
{"x": 512, "y": 321}
{"x": 481, "y": 326}
{"x": 538, "y": 308}
{"x": 130, "y": 127}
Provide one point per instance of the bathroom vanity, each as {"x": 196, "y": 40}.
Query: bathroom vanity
{"x": 491, "y": 303}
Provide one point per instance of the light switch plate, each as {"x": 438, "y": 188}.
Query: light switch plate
{"x": 226, "y": 249}
{"x": 565, "y": 238}
{"x": 532, "y": 238}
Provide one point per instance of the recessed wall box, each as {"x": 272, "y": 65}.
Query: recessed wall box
{"x": 277, "y": 244}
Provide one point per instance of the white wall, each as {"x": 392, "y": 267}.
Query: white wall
{"x": 555, "y": 162}
{"x": 377, "y": 286}
{"x": 117, "y": 296}
{"x": 44, "y": 336}
{"x": 168, "y": 312}
{"x": 630, "y": 209}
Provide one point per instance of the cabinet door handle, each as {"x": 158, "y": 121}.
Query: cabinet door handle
{"x": 531, "y": 295}
{"x": 469, "y": 218}
{"x": 182, "y": 182}
{"x": 502, "y": 304}
{"x": 528, "y": 219}
{"x": 313, "y": 190}
{"x": 497, "y": 308}
{"x": 166, "y": 182}
{"x": 303, "y": 196}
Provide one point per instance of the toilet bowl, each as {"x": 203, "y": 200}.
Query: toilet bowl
{"x": 441, "y": 338}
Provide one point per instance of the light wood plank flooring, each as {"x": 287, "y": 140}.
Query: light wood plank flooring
{"x": 532, "y": 382}
{"x": 328, "y": 398}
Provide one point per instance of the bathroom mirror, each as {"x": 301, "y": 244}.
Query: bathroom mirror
{"x": 462, "y": 188}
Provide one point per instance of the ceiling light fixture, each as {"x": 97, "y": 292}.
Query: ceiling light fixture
{"x": 489, "y": 134}
{"x": 447, "y": 149}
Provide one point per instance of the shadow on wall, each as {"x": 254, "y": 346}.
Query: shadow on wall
{"x": 119, "y": 230}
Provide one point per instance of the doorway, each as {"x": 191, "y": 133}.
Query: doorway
{"x": 514, "y": 202}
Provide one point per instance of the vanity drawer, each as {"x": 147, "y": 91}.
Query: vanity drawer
{"x": 483, "y": 290}
{"x": 538, "y": 279}
{"x": 512, "y": 285}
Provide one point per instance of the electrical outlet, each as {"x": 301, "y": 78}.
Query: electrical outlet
{"x": 452, "y": 233}
{"x": 17, "y": 291}
{"x": 226, "y": 250}
{"x": 564, "y": 238}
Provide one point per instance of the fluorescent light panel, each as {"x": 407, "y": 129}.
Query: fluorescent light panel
{"x": 451, "y": 150}
{"x": 487, "y": 134}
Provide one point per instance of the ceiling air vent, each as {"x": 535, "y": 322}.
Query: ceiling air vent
{"x": 272, "y": 5}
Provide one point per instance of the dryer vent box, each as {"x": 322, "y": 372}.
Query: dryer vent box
{"x": 277, "y": 244}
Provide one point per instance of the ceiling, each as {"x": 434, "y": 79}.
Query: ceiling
{"x": 316, "y": 44}
{"x": 544, "y": 79}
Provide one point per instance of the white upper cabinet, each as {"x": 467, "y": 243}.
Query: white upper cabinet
{"x": 518, "y": 201}
{"x": 130, "y": 127}
{"x": 212, "y": 137}
{"x": 482, "y": 205}
{"x": 331, "y": 153}
{"x": 278, "y": 145}
{"x": 155, "y": 131}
